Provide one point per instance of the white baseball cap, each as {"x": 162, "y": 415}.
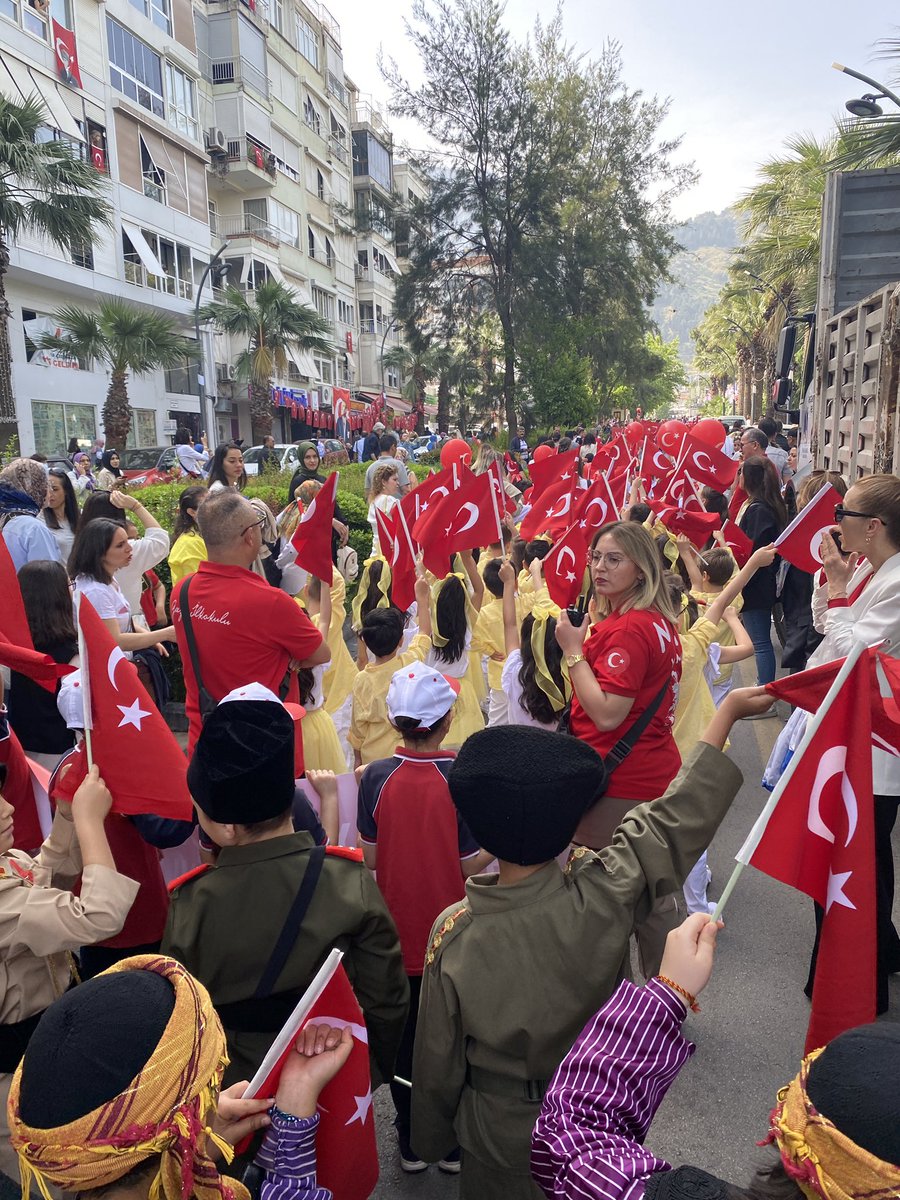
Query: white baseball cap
{"x": 421, "y": 692}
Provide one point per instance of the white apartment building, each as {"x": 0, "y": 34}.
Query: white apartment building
{"x": 222, "y": 121}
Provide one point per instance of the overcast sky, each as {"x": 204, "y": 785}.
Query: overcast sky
{"x": 741, "y": 78}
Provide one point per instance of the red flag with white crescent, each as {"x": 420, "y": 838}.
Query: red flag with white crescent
{"x": 395, "y": 548}
{"x": 461, "y": 520}
{"x": 563, "y": 568}
{"x": 705, "y": 464}
{"x": 801, "y": 542}
{"x": 423, "y": 497}
{"x": 820, "y": 839}
{"x": 549, "y": 470}
{"x": 552, "y": 511}
{"x": 737, "y": 542}
{"x": 312, "y": 537}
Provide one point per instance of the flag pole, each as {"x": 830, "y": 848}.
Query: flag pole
{"x": 85, "y": 684}
{"x": 401, "y": 517}
{"x": 746, "y": 851}
{"x": 496, "y": 464}
{"x": 717, "y": 533}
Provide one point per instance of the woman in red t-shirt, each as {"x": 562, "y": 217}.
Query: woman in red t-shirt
{"x": 617, "y": 668}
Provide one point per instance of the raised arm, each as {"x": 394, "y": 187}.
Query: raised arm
{"x": 511, "y": 638}
{"x": 743, "y": 646}
{"x": 688, "y": 556}
{"x": 763, "y": 557}
{"x": 474, "y": 578}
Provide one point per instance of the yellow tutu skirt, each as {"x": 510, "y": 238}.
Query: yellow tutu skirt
{"x": 475, "y": 676}
{"x": 467, "y": 715}
{"x": 321, "y": 745}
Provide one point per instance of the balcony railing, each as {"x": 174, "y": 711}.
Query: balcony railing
{"x": 334, "y": 87}
{"x": 380, "y": 325}
{"x": 239, "y": 71}
{"x": 339, "y": 150}
{"x": 255, "y": 227}
{"x": 138, "y": 274}
{"x": 244, "y": 150}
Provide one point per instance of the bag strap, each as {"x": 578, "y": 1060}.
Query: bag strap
{"x": 292, "y": 924}
{"x": 626, "y": 743}
{"x": 205, "y": 699}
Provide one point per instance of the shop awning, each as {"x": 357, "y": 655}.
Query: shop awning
{"x": 19, "y": 80}
{"x": 143, "y": 249}
{"x": 304, "y": 362}
{"x": 392, "y": 262}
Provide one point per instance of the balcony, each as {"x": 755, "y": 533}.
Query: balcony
{"x": 249, "y": 226}
{"x": 338, "y": 150}
{"x": 379, "y": 326}
{"x": 138, "y": 274}
{"x": 246, "y": 167}
{"x": 238, "y": 72}
{"x": 334, "y": 87}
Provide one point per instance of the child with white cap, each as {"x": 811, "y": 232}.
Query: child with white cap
{"x": 424, "y": 852}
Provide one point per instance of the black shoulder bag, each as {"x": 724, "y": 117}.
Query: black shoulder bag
{"x": 628, "y": 740}
{"x": 206, "y": 701}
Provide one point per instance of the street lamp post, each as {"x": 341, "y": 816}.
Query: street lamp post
{"x": 208, "y": 417}
{"x": 387, "y": 329}
{"x": 867, "y": 106}
{"x": 775, "y": 292}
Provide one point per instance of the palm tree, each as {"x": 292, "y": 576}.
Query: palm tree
{"x": 420, "y": 368}
{"x": 273, "y": 323}
{"x": 45, "y": 189}
{"x": 872, "y": 141}
{"x": 125, "y": 339}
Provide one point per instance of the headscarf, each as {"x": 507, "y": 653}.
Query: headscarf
{"x": 166, "y": 1110}
{"x": 89, "y": 475}
{"x": 28, "y": 478}
{"x": 303, "y": 473}
{"x": 106, "y": 462}
{"x": 823, "y": 1162}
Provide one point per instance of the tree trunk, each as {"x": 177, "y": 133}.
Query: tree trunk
{"x": 509, "y": 384}
{"x": 443, "y": 399}
{"x": 117, "y": 411}
{"x": 8, "y": 427}
{"x": 260, "y": 410}
{"x": 419, "y": 402}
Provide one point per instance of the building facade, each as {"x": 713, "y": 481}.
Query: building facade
{"x": 221, "y": 121}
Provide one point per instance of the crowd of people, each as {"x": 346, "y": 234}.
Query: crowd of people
{"x": 457, "y": 783}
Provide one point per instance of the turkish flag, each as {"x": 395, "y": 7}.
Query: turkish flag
{"x": 613, "y": 457}
{"x": 425, "y": 495}
{"x": 698, "y": 526}
{"x": 139, "y": 759}
{"x": 737, "y": 501}
{"x": 801, "y": 542}
{"x": 552, "y": 509}
{"x": 565, "y": 565}
{"x": 549, "y": 470}
{"x": 39, "y": 667}
{"x": 737, "y": 542}
{"x": 820, "y": 839}
{"x": 312, "y": 537}
{"x": 705, "y": 464}
{"x": 13, "y": 621}
{"x": 655, "y": 466}
{"x": 346, "y": 1151}
{"x": 807, "y": 690}
{"x": 461, "y": 520}
{"x": 393, "y": 537}
{"x": 594, "y": 507}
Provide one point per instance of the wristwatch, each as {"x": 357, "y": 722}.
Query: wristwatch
{"x": 572, "y": 659}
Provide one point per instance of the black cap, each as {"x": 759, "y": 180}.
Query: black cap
{"x": 854, "y": 1083}
{"x": 91, "y": 1044}
{"x": 242, "y": 769}
{"x": 522, "y": 791}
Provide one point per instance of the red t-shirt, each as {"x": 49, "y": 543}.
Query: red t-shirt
{"x": 406, "y": 810}
{"x": 246, "y": 632}
{"x": 634, "y": 654}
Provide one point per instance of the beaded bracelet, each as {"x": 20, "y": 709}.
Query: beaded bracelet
{"x": 676, "y": 987}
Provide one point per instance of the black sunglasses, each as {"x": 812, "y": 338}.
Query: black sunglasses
{"x": 256, "y": 525}
{"x": 840, "y": 512}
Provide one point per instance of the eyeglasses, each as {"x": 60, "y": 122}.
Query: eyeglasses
{"x": 258, "y": 524}
{"x": 840, "y": 512}
{"x": 612, "y": 560}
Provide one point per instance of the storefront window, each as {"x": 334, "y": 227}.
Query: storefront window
{"x": 55, "y": 424}
{"x": 143, "y": 428}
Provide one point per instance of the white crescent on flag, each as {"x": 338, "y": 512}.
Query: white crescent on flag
{"x": 116, "y": 656}
{"x": 600, "y": 519}
{"x": 832, "y": 763}
{"x": 707, "y": 466}
{"x": 473, "y": 516}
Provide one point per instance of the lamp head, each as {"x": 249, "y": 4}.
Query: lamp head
{"x": 865, "y": 106}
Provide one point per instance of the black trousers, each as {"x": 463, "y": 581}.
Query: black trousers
{"x": 94, "y": 959}
{"x": 888, "y": 957}
{"x": 402, "y": 1096}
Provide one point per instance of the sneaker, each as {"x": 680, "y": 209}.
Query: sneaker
{"x": 409, "y": 1161}
{"x": 450, "y": 1164}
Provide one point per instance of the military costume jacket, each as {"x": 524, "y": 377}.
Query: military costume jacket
{"x": 223, "y": 926}
{"x": 513, "y": 972}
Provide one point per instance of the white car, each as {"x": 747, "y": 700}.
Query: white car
{"x": 286, "y": 458}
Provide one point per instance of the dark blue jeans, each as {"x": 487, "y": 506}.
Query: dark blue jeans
{"x": 758, "y": 623}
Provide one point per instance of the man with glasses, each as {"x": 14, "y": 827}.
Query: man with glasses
{"x": 245, "y": 630}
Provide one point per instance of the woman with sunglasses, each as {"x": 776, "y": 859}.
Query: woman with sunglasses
{"x": 620, "y": 666}
{"x": 859, "y": 599}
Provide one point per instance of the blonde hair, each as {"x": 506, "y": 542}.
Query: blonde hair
{"x": 650, "y": 591}
{"x": 380, "y": 476}
{"x": 813, "y": 484}
{"x": 881, "y": 497}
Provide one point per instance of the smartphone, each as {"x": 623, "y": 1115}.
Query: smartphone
{"x": 836, "y": 537}
{"x": 576, "y": 615}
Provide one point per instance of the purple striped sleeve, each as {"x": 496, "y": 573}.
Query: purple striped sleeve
{"x": 586, "y": 1144}
{"x": 288, "y": 1158}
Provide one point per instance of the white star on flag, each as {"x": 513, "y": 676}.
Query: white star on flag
{"x": 570, "y": 578}
{"x": 363, "y": 1104}
{"x": 836, "y": 894}
{"x": 132, "y": 714}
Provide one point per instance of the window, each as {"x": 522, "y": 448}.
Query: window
{"x": 310, "y": 242}
{"x": 182, "y": 380}
{"x": 134, "y": 70}
{"x": 370, "y": 157}
{"x": 345, "y": 312}
{"x": 393, "y": 377}
{"x": 276, "y": 15}
{"x": 156, "y": 10}
{"x": 283, "y": 83}
{"x": 307, "y": 42}
{"x": 143, "y": 428}
{"x": 286, "y": 221}
{"x": 311, "y": 115}
{"x": 323, "y": 302}
{"x": 366, "y": 317}
{"x": 174, "y": 258}
{"x": 55, "y": 424}
{"x": 182, "y": 110}
{"x": 324, "y": 369}
{"x": 213, "y": 216}
{"x": 154, "y": 178}
{"x": 82, "y": 255}
{"x": 329, "y": 253}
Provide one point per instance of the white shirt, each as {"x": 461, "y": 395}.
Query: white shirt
{"x": 509, "y": 682}
{"x": 64, "y": 536}
{"x": 191, "y": 460}
{"x": 146, "y": 552}
{"x": 387, "y": 504}
{"x": 108, "y": 600}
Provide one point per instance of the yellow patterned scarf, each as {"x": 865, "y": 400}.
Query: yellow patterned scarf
{"x": 382, "y": 583}
{"x": 542, "y": 677}
{"x": 822, "y": 1161}
{"x": 165, "y": 1112}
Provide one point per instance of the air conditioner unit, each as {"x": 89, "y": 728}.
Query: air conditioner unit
{"x": 327, "y": 395}
{"x": 216, "y": 141}
{"x": 232, "y": 371}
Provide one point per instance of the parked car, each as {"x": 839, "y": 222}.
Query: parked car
{"x": 286, "y": 458}
{"x": 148, "y": 464}
{"x": 59, "y": 462}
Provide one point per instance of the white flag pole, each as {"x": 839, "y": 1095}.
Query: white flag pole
{"x": 85, "y": 683}
{"x": 746, "y": 851}
{"x": 499, "y": 479}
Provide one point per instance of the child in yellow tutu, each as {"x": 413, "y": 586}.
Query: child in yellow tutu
{"x": 321, "y": 745}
